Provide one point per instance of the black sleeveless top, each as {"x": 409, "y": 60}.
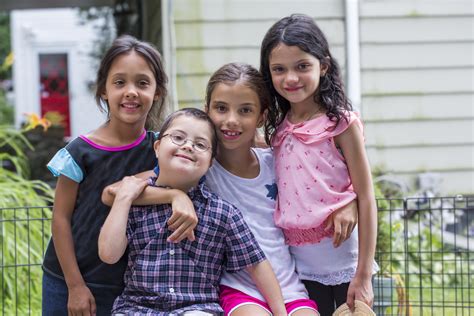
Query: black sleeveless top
{"x": 100, "y": 167}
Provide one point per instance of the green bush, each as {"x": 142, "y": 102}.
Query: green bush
{"x": 6, "y": 110}
{"x": 24, "y": 231}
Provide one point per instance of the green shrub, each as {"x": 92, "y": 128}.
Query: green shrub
{"x": 24, "y": 231}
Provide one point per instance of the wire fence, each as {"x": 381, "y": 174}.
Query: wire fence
{"x": 425, "y": 252}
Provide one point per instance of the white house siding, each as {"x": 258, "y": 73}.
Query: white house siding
{"x": 417, "y": 72}
{"x": 417, "y": 60}
{"x": 210, "y": 33}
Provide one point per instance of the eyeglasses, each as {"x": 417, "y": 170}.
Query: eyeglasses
{"x": 179, "y": 140}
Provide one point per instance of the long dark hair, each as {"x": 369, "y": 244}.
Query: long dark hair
{"x": 300, "y": 30}
{"x": 124, "y": 45}
{"x": 245, "y": 74}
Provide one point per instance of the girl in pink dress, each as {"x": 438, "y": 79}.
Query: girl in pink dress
{"x": 321, "y": 164}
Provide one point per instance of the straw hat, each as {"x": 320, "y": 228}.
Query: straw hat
{"x": 361, "y": 309}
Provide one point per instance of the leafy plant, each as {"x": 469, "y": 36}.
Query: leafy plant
{"x": 24, "y": 230}
{"x": 6, "y": 110}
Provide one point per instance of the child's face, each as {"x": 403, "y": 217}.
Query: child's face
{"x": 130, "y": 89}
{"x": 236, "y": 111}
{"x": 295, "y": 73}
{"x": 190, "y": 160}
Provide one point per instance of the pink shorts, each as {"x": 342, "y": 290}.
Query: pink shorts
{"x": 231, "y": 298}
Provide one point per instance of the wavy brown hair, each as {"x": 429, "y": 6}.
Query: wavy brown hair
{"x": 300, "y": 30}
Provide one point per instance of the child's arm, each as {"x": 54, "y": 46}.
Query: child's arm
{"x": 110, "y": 191}
{"x": 351, "y": 142}
{"x": 263, "y": 276}
{"x": 183, "y": 219}
{"x": 80, "y": 298}
{"x": 113, "y": 238}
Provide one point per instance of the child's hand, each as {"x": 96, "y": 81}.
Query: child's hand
{"x": 360, "y": 289}
{"x": 183, "y": 220}
{"x": 130, "y": 188}
{"x": 81, "y": 301}
{"x": 343, "y": 220}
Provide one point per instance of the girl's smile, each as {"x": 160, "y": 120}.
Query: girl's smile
{"x": 235, "y": 110}
{"x": 295, "y": 73}
{"x": 130, "y": 89}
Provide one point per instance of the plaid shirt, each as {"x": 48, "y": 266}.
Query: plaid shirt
{"x": 164, "y": 278}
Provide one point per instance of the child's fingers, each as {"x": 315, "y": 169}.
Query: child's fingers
{"x": 93, "y": 307}
{"x": 191, "y": 236}
{"x": 175, "y": 221}
{"x": 180, "y": 233}
{"x": 336, "y": 241}
{"x": 329, "y": 222}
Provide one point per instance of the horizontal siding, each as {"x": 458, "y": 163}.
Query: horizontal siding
{"x": 417, "y": 29}
{"x": 417, "y": 55}
{"x": 235, "y": 34}
{"x": 418, "y": 81}
{"x": 211, "y": 33}
{"x": 418, "y": 107}
{"x": 247, "y": 10}
{"x": 418, "y": 89}
{"x": 418, "y": 8}
{"x": 420, "y": 133}
{"x": 421, "y": 159}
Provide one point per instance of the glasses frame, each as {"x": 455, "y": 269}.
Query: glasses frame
{"x": 185, "y": 140}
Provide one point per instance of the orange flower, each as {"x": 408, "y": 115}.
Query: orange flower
{"x": 34, "y": 120}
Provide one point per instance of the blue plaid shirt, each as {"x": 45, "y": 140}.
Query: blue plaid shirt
{"x": 164, "y": 278}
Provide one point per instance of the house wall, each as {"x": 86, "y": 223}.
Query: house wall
{"x": 416, "y": 68}
{"x": 417, "y": 60}
{"x": 54, "y": 31}
{"x": 210, "y": 33}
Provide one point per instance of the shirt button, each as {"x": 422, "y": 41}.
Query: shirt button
{"x": 172, "y": 252}
{"x": 171, "y": 290}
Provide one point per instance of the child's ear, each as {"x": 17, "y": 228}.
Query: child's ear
{"x": 325, "y": 66}
{"x": 156, "y": 146}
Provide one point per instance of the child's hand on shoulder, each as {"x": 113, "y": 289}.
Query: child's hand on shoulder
{"x": 130, "y": 188}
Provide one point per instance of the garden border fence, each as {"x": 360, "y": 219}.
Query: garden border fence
{"x": 425, "y": 252}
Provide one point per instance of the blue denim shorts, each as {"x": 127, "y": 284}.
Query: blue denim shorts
{"x": 55, "y": 295}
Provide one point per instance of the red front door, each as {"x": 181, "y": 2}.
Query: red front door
{"x": 54, "y": 93}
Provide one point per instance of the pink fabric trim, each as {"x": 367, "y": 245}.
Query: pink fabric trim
{"x": 230, "y": 299}
{"x": 120, "y": 148}
{"x": 300, "y": 237}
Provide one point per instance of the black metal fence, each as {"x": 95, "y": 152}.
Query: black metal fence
{"x": 425, "y": 252}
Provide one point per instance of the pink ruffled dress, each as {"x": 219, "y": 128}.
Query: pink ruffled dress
{"x": 312, "y": 177}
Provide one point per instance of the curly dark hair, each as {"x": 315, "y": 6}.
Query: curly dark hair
{"x": 300, "y": 30}
{"x": 124, "y": 45}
